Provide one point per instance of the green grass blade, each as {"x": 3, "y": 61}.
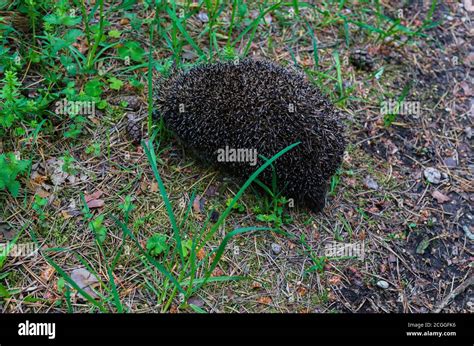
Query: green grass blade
{"x": 224, "y": 278}
{"x": 150, "y": 153}
{"x": 197, "y": 309}
{"x": 118, "y": 303}
{"x": 183, "y": 31}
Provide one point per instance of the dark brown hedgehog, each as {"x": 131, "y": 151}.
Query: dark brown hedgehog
{"x": 226, "y": 110}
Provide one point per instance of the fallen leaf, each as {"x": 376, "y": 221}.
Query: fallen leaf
{"x": 95, "y": 195}
{"x": 96, "y": 203}
{"x": 93, "y": 200}
{"x": 371, "y": 183}
{"x": 37, "y": 179}
{"x": 466, "y": 88}
{"x": 422, "y": 246}
{"x": 85, "y": 280}
{"x": 154, "y": 187}
{"x": 264, "y": 300}
{"x": 47, "y": 273}
{"x": 42, "y": 193}
{"x": 217, "y": 272}
{"x": 198, "y": 204}
{"x": 65, "y": 214}
{"x": 440, "y": 197}
{"x": 351, "y": 182}
{"x": 301, "y": 291}
{"x": 211, "y": 191}
{"x": 334, "y": 280}
{"x": 201, "y": 254}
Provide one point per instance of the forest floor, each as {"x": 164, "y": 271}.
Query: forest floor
{"x": 401, "y": 202}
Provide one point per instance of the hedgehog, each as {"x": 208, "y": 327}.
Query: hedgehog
{"x": 226, "y": 112}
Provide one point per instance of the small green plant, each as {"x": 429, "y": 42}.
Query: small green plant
{"x": 240, "y": 208}
{"x": 10, "y": 169}
{"x": 157, "y": 244}
{"x": 38, "y": 206}
{"x": 14, "y": 105}
{"x": 131, "y": 50}
{"x": 96, "y": 225}
{"x": 68, "y": 164}
{"x": 187, "y": 247}
{"x": 335, "y": 179}
{"x": 115, "y": 83}
{"x": 319, "y": 262}
{"x": 98, "y": 228}
{"x": 127, "y": 207}
{"x": 93, "y": 149}
{"x": 272, "y": 212}
{"x": 274, "y": 215}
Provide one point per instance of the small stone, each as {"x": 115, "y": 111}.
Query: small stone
{"x": 468, "y": 232}
{"x": 432, "y": 175}
{"x": 468, "y": 132}
{"x": 382, "y": 284}
{"x": 276, "y": 249}
{"x": 371, "y": 183}
{"x": 450, "y": 162}
{"x": 197, "y": 301}
{"x": 203, "y": 17}
{"x": 71, "y": 179}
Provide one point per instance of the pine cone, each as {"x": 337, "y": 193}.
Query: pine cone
{"x": 362, "y": 60}
{"x": 134, "y": 129}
